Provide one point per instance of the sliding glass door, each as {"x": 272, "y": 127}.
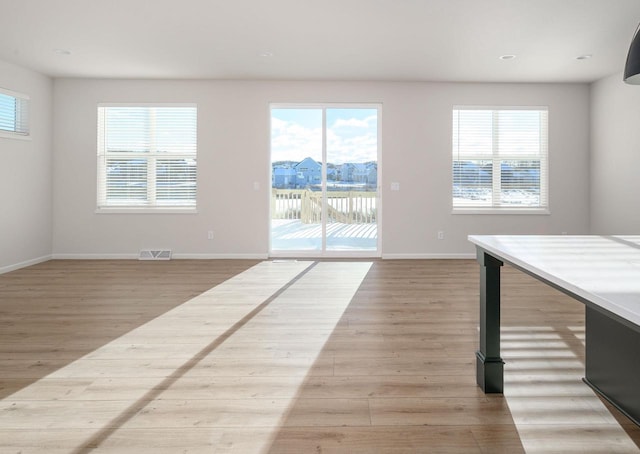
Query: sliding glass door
{"x": 324, "y": 180}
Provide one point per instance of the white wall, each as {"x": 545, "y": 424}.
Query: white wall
{"x": 615, "y": 157}
{"x": 234, "y": 152}
{"x": 25, "y": 176}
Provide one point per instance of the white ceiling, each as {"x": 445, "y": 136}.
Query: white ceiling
{"x": 400, "y": 40}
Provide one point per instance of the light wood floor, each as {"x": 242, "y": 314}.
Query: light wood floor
{"x": 291, "y": 357}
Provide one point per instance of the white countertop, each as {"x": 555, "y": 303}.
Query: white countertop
{"x": 604, "y": 270}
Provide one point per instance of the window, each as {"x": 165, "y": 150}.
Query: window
{"x": 147, "y": 156}
{"x": 500, "y": 159}
{"x": 14, "y": 114}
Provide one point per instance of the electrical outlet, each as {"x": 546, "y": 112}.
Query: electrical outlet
{"x": 441, "y": 234}
{"x": 210, "y": 235}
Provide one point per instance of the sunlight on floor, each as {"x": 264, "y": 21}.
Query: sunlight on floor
{"x": 553, "y": 410}
{"x": 233, "y": 357}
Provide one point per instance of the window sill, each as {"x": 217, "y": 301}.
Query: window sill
{"x": 14, "y": 135}
{"x": 509, "y": 211}
{"x": 146, "y": 210}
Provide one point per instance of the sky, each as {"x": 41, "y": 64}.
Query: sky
{"x": 352, "y": 134}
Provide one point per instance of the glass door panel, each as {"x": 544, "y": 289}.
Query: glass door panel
{"x": 296, "y": 179}
{"x": 352, "y": 179}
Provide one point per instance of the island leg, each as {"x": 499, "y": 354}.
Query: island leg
{"x": 489, "y": 364}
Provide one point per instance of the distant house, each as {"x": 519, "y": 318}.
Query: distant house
{"x": 308, "y": 172}
{"x": 366, "y": 173}
{"x": 346, "y": 172}
{"x": 283, "y": 176}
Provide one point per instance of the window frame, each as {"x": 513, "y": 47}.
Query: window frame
{"x": 150, "y": 205}
{"x": 21, "y": 120}
{"x": 496, "y": 158}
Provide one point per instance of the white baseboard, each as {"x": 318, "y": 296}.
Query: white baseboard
{"x": 95, "y": 256}
{"x": 17, "y": 266}
{"x": 256, "y": 256}
{"x": 428, "y": 256}
{"x": 228, "y": 256}
{"x": 173, "y": 257}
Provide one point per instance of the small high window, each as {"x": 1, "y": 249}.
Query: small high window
{"x": 14, "y": 114}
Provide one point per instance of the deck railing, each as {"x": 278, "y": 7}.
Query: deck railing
{"x": 346, "y": 207}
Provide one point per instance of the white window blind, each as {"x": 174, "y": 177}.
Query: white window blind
{"x": 147, "y": 156}
{"x": 14, "y": 114}
{"x": 500, "y": 158}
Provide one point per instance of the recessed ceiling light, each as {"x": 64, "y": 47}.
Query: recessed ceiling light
{"x": 584, "y": 57}
{"x": 62, "y": 51}
{"x": 507, "y": 57}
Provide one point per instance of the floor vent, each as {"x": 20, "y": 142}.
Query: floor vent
{"x": 160, "y": 254}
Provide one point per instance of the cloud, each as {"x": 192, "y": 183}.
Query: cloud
{"x": 293, "y": 142}
{"x": 365, "y": 123}
{"x": 354, "y": 148}
{"x": 348, "y": 140}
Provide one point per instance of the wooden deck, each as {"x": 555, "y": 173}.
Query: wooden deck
{"x": 288, "y": 357}
{"x": 294, "y": 235}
